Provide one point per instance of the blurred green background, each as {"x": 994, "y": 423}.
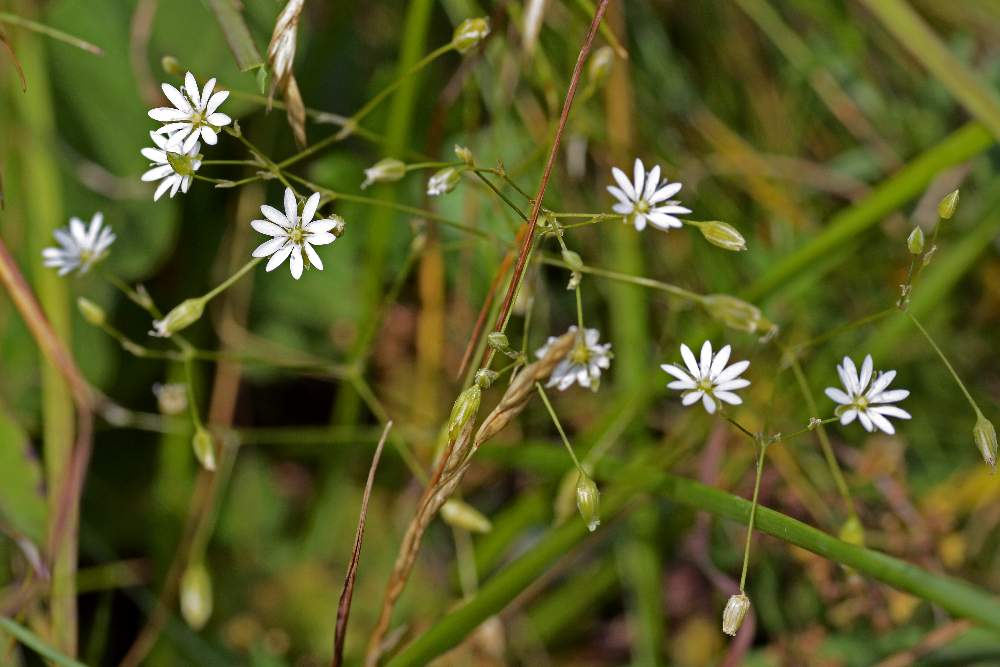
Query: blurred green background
{"x": 810, "y": 126}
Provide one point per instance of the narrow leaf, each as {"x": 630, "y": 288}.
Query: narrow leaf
{"x": 59, "y": 35}
{"x": 33, "y": 642}
{"x": 237, "y": 34}
{"x": 24, "y": 84}
{"x": 22, "y": 503}
{"x": 344, "y": 607}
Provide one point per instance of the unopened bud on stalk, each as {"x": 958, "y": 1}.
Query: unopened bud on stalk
{"x": 463, "y": 515}
{"x": 181, "y": 317}
{"x": 588, "y": 501}
{"x": 734, "y": 613}
{"x": 464, "y": 154}
{"x": 172, "y": 66}
{"x": 469, "y": 33}
{"x": 338, "y": 225}
{"x": 91, "y": 312}
{"x": 723, "y": 235}
{"x": 985, "y": 436}
{"x": 572, "y": 260}
{"x": 600, "y": 65}
{"x": 443, "y": 182}
{"x": 465, "y": 408}
{"x": 196, "y": 595}
{"x": 915, "y": 241}
{"x": 498, "y": 341}
{"x": 204, "y": 449}
{"x": 386, "y": 170}
{"x": 171, "y": 398}
{"x": 947, "y": 207}
{"x": 485, "y": 378}
{"x": 852, "y": 532}
{"x": 736, "y": 313}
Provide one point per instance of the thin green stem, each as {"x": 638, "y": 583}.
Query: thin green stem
{"x": 753, "y": 512}
{"x": 514, "y": 207}
{"x": 673, "y": 290}
{"x": 951, "y": 369}
{"x": 228, "y": 282}
{"x": 42, "y": 29}
{"x": 34, "y": 642}
{"x": 562, "y": 433}
{"x": 579, "y": 310}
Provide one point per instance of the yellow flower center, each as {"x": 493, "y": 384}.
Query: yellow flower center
{"x": 580, "y": 354}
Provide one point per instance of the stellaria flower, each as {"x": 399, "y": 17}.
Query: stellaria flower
{"x": 646, "y": 198}
{"x": 194, "y": 115}
{"x": 174, "y": 170}
{"x": 584, "y": 362}
{"x": 294, "y": 235}
{"x": 711, "y": 380}
{"x": 82, "y": 246}
{"x": 867, "y": 396}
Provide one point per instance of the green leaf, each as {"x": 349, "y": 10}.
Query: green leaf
{"x": 22, "y": 503}
{"x": 237, "y": 34}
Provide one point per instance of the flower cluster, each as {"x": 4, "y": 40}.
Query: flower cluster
{"x": 193, "y": 118}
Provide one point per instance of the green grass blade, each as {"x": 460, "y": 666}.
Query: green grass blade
{"x": 32, "y": 641}
{"x": 237, "y": 34}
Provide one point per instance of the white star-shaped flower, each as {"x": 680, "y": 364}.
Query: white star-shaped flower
{"x": 867, "y": 396}
{"x": 194, "y": 115}
{"x": 584, "y": 362}
{"x": 82, "y": 246}
{"x": 646, "y": 199}
{"x": 174, "y": 171}
{"x": 710, "y": 380}
{"x": 293, "y": 235}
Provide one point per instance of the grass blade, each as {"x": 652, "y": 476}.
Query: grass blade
{"x": 237, "y": 34}
{"x": 32, "y": 641}
{"x": 58, "y": 35}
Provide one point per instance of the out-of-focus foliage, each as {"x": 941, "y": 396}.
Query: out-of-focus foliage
{"x": 775, "y": 114}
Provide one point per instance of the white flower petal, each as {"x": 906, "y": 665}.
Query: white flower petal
{"x": 191, "y": 88}
{"x": 275, "y": 216}
{"x": 881, "y": 422}
{"x": 690, "y": 361}
{"x": 692, "y": 398}
{"x": 321, "y": 238}
{"x": 209, "y": 135}
{"x": 891, "y": 411}
{"x": 278, "y": 257}
{"x": 709, "y": 404}
{"x": 291, "y": 206}
{"x": 638, "y": 177}
{"x": 664, "y": 221}
{"x": 213, "y": 104}
{"x": 176, "y": 98}
{"x": 218, "y": 119}
{"x": 732, "y": 372}
{"x": 676, "y": 371}
{"x": 269, "y": 247}
{"x": 295, "y": 262}
{"x": 681, "y": 385}
{"x": 269, "y": 228}
{"x": 847, "y": 416}
{"x": 867, "y": 366}
{"x": 838, "y": 396}
{"x": 728, "y": 397}
{"x": 623, "y": 183}
{"x": 866, "y": 421}
{"x": 309, "y": 210}
{"x": 167, "y": 114}
{"x": 665, "y": 193}
{"x": 890, "y": 396}
{"x": 720, "y": 361}
{"x": 313, "y": 256}
{"x": 652, "y": 182}
{"x": 732, "y": 384}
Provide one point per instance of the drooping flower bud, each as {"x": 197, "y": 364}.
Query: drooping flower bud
{"x": 172, "y": 66}
{"x": 985, "y": 436}
{"x": 600, "y": 65}
{"x": 196, "y": 595}
{"x": 498, "y": 341}
{"x": 181, "y": 317}
{"x": 204, "y": 449}
{"x": 465, "y": 408}
{"x": 734, "y": 613}
{"x": 485, "y": 378}
{"x": 464, "y": 154}
{"x": 588, "y": 501}
{"x": 443, "y": 182}
{"x": 469, "y": 33}
{"x": 947, "y": 207}
{"x": 723, "y": 235}
{"x": 915, "y": 241}
{"x": 736, "y": 313}
{"x": 463, "y": 515}
{"x": 91, "y": 312}
{"x": 572, "y": 259}
{"x": 386, "y": 170}
{"x": 852, "y": 532}
{"x": 171, "y": 398}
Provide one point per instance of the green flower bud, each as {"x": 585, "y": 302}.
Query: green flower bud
{"x": 734, "y": 613}
{"x": 572, "y": 260}
{"x": 947, "y": 207}
{"x": 443, "y": 182}
{"x": 181, "y": 317}
{"x": 465, "y": 516}
{"x": 171, "y": 66}
{"x": 464, "y": 154}
{"x": 91, "y": 312}
{"x": 204, "y": 449}
{"x": 386, "y": 170}
{"x": 469, "y": 33}
{"x": 588, "y": 501}
{"x": 736, "y": 313}
{"x": 852, "y": 532}
{"x": 723, "y": 235}
{"x": 915, "y": 241}
{"x": 600, "y": 65}
{"x": 985, "y": 436}
{"x": 196, "y": 595}
{"x": 498, "y": 341}
{"x": 465, "y": 408}
{"x": 485, "y": 378}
